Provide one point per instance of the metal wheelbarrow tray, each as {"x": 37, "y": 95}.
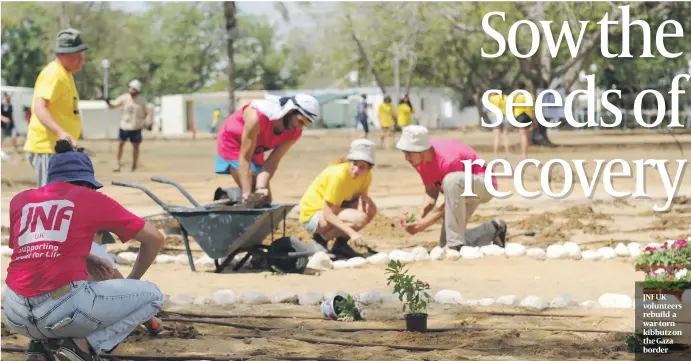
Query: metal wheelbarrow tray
{"x": 223, "y": 231}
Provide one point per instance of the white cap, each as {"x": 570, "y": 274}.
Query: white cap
{"x": 415, "y": 139}
{"x": 308, "y": 106}
{"x": 362, "y": 149}
{"x": 136, "y": 85}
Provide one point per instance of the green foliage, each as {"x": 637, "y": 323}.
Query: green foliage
{"x": 406, "y": 286}
{"x": 349, "y": 309}
{"x": 22, "y": 55}
{"x": 671, "y": 253}
{"x": 172, "y": 48}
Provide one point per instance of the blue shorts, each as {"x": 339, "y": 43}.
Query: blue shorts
{"x": 223, "y": 166}
{"x": 134, "y": 136}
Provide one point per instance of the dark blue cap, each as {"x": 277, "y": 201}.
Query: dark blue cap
{"x": 71, "y": 166}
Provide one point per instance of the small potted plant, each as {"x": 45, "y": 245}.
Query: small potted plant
{"x": 414, "y": 294}
{"x": 342, "y": 309}
{"x": 407, "y": 219}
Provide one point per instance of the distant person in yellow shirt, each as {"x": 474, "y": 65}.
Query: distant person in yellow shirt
{"x": 337, "y": 204}
{"x": 386, "y": 117}
{"x": 523, "y": 114}
{"x": 55, "y": 105}
{"x": 405, "y": 111}
{"x": 502, "y": 131}
{"x": 215, "y": 119}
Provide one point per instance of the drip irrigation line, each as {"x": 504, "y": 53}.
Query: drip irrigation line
{"x": 429, "y": 330}
{"x": 201, "y": 315}
{"x": 190, "y": 358}
{"x": 492, "y": 313}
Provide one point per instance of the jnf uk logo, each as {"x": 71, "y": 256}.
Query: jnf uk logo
{"x": 45, "y": 221}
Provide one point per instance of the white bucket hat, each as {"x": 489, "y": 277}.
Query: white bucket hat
{"x": 136, "y": 85}
{"x": 362, "y": 149}
{"x": 415, "y": 139}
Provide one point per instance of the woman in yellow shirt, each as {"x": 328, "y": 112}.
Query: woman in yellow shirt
{"x": 386, "y": 116}
{"x": 405, "y": 111}
{"x": 523, "y": 115}
{"x": 337, "y": 204}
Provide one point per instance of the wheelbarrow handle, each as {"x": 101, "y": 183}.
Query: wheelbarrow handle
{"x": 179, "y": 187}
{"x": 143, "y": 189}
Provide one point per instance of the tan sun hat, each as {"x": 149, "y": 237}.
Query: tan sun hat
{"x": 362, "y": 149}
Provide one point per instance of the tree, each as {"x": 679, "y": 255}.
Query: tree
{"x": 22, "y": 53}
{"x": 229, "y": 12}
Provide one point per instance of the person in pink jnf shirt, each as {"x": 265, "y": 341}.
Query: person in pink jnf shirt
{"x": 441, "y": 168}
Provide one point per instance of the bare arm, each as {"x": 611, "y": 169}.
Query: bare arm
{"x": 151, "y": 243}
{"x": 247, "y": 145}
{"x": 330, "y": 214}
{"x": 44, "y": 116}
{"x": 369, "y": 207}
{"x": 431, "y": 213}
{"x": 431, "y": 195}
{"x": 271, "y": 164}
{"x": 5, "y": 119}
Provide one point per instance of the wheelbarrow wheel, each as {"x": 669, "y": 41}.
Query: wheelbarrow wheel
{"x": 286, "y": 245}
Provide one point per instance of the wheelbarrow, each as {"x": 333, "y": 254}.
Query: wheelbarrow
{"x": 224, "y": 231}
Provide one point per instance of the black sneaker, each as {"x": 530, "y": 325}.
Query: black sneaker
{"x": 38, "y": 351}
{"x": 342, "y": 249}
{"x": 69, "y": 351}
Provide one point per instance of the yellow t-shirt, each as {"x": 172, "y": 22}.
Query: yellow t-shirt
{"x": 334, "y": 185}
{"x": 499, "y": 102}
{"x": 518, "y": 110}
{"x": 216, "y": 117}
{"x": 56, "y": 85}
{"x": 385, "y": 112}
{"x": 404, "y": 112}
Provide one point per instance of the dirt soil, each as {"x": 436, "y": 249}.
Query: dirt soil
{"x": 396, "y": 188}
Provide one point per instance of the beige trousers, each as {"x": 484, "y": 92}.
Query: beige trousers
{"x": 458, "y": 209}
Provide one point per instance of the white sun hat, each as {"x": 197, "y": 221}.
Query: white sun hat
{"x": 276, "y": 107}
{"x": 362, "y": 149}
{"x": 136, "y": 85}
{"x": 414, "y": 139}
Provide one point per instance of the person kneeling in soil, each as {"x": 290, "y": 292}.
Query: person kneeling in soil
{"x": 337, "y": 205}
{"x": 439, "y": 163}
{"x": 49, "y": 298}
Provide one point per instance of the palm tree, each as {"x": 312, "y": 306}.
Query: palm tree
{"x": 229, "y": 11}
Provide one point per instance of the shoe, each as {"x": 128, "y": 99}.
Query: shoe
{"x": 69, "y": 351}
{"x": 38, "y": 351}
{"x": 500, "y": 233}
{"x": 342, "y": 249}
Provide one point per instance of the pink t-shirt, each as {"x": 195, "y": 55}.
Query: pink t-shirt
{"x": 230, "y": 137}
{"x": 51, "y": 231}
{"x": 448, "y": 158}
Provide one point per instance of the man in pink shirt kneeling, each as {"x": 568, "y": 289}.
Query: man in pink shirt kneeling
{"x": 440, "y": 165}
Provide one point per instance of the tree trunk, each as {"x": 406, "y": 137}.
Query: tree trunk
{"x": 229, "y": 12}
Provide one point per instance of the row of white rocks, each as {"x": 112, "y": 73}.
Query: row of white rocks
{"x": 446, "y": 297}
{"x": 320, "y": 261}
{"x": 568, "y": 250}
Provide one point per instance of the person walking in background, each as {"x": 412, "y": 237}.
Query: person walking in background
{"x": 405, "y": 111}
{"x": 523, "y": 116}
{"x": 362, "y": 116}
{"x": 501, "y": 131}
{"x": 386, "y": 118}
{"x": 215, "y": 119}
{"x": 135, "y": 115}
{"x": 55, "y": 104}
{"x": 8, "y": 128}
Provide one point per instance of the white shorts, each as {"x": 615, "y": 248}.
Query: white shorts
{"x": 313, "y": 223}
{"x": 100, "y": 251}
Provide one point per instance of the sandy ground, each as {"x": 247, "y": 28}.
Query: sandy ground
{"x": 592, "y": 223}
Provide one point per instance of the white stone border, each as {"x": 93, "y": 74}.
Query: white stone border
{"x": 445, "y": 297}
{"x": 320, "y": 261}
